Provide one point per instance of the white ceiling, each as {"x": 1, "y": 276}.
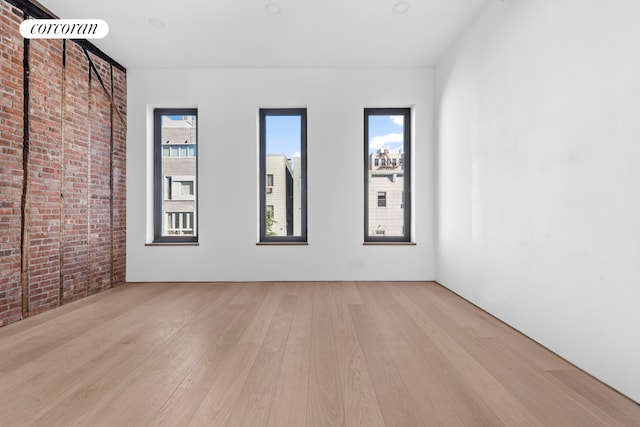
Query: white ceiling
{"x": 306, "y": 33}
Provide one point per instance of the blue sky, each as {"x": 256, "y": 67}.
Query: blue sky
{"x": 283, "y": 134}
{"x": 178, "y": 117}
{"x": 385, "y": 132}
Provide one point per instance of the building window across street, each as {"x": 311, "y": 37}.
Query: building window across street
{"x": 382, "y": 199}
{"x": 180, "y": 223}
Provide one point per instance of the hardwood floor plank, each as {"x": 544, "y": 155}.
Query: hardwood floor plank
{"x": 41, "y": 322}
{"x": 472, "y": 319}
{"x": 454, "y": 402}
{"x": 143, "y": 390}
{"x": 502, "y": 364}
{"x": 481, "y": 324}
{"x": 565, "y": 405}
{"x": 28, "y": 344}
{"x": 549, "y": 409}
{"x": 623, "y": 410}
{"x": 219, "y": 403}
{"x": 256, "y": 331}
{"x": 361, "y": 406}
{"x": 339, "y": 303}
{"x": 52, "y": 376}
{"x": 325, "y": 400}
{"x": 289, "y": 406}
{"x": 178, "y": 410}
{"x": 230, "y": 320}
{"x": 289, "y": 354}
{"x": 257, "y": 394}
{"x": 351, "y": 294}
{"x": 507, "y": 408}
{"x": 396, "y": 404}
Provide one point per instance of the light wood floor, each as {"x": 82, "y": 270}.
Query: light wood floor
{"x": 288, "y": 354}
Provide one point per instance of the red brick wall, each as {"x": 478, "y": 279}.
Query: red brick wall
{"x": 44, "y": 167}
{"x": 75, "y": 260}
{"x": 72, "y": 175}
{"x": 99, "y": 180}
{"x": 119, "y": 225}
{"x": 11, "y": 171}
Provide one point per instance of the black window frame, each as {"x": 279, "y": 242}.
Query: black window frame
{"x": 263, "y": 113}
{"x": 158, "y": 178}
{"x": 406, "y": 113}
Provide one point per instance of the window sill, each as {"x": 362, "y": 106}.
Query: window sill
{"x": 389, "y": 244}
{"x": 173, "y": 244}
{"x": 282, "y": 244}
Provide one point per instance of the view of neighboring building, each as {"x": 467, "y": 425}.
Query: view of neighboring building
{"x": 386, "y": 193}
{"x": 179, "y": 148}
{"x": 283, "y": 195}
{"x": 297, "y": 200}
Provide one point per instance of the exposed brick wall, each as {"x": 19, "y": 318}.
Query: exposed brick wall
{"x": 100, "y": 181}
{"x": 11, "y": 171}
{"x": 44, "y": 167}
{"x": 72, "y": 175}
{"x": 119, "y": 225}
{"x": 75, "y": 261}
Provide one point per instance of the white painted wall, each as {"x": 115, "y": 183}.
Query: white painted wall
{"x": 538, "y": 183}
{"x": 228, "y": 102}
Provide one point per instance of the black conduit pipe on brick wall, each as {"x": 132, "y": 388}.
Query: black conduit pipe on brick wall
{"x": 24, "y": 201}
{"x": 63, "y": 116}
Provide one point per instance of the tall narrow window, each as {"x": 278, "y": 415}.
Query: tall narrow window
{"x": 283, "y": 175}
{"x": 175, "y": 175}
{"x": 387, "y": 178}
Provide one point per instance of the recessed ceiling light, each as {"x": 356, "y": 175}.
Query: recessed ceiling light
{"x": 158, "y": 23}
{"x": 400, "y": 8}
{"x": 272, "y": 9}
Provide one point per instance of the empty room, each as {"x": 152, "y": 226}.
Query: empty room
{"x": 320, "y": 213}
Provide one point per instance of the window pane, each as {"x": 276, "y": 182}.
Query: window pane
{"x": 283, "y": 196}
{"x": 382, "y": 199}
{"x": 386, "y": 145}
{"x": 180, "y": 223}
{"x": 187, "y": 188}
{"x": 167, "y": 188}
{"x": 188, "y": 223}
{"x": 282, "y": 146}
{"x": 176, "y": 132}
